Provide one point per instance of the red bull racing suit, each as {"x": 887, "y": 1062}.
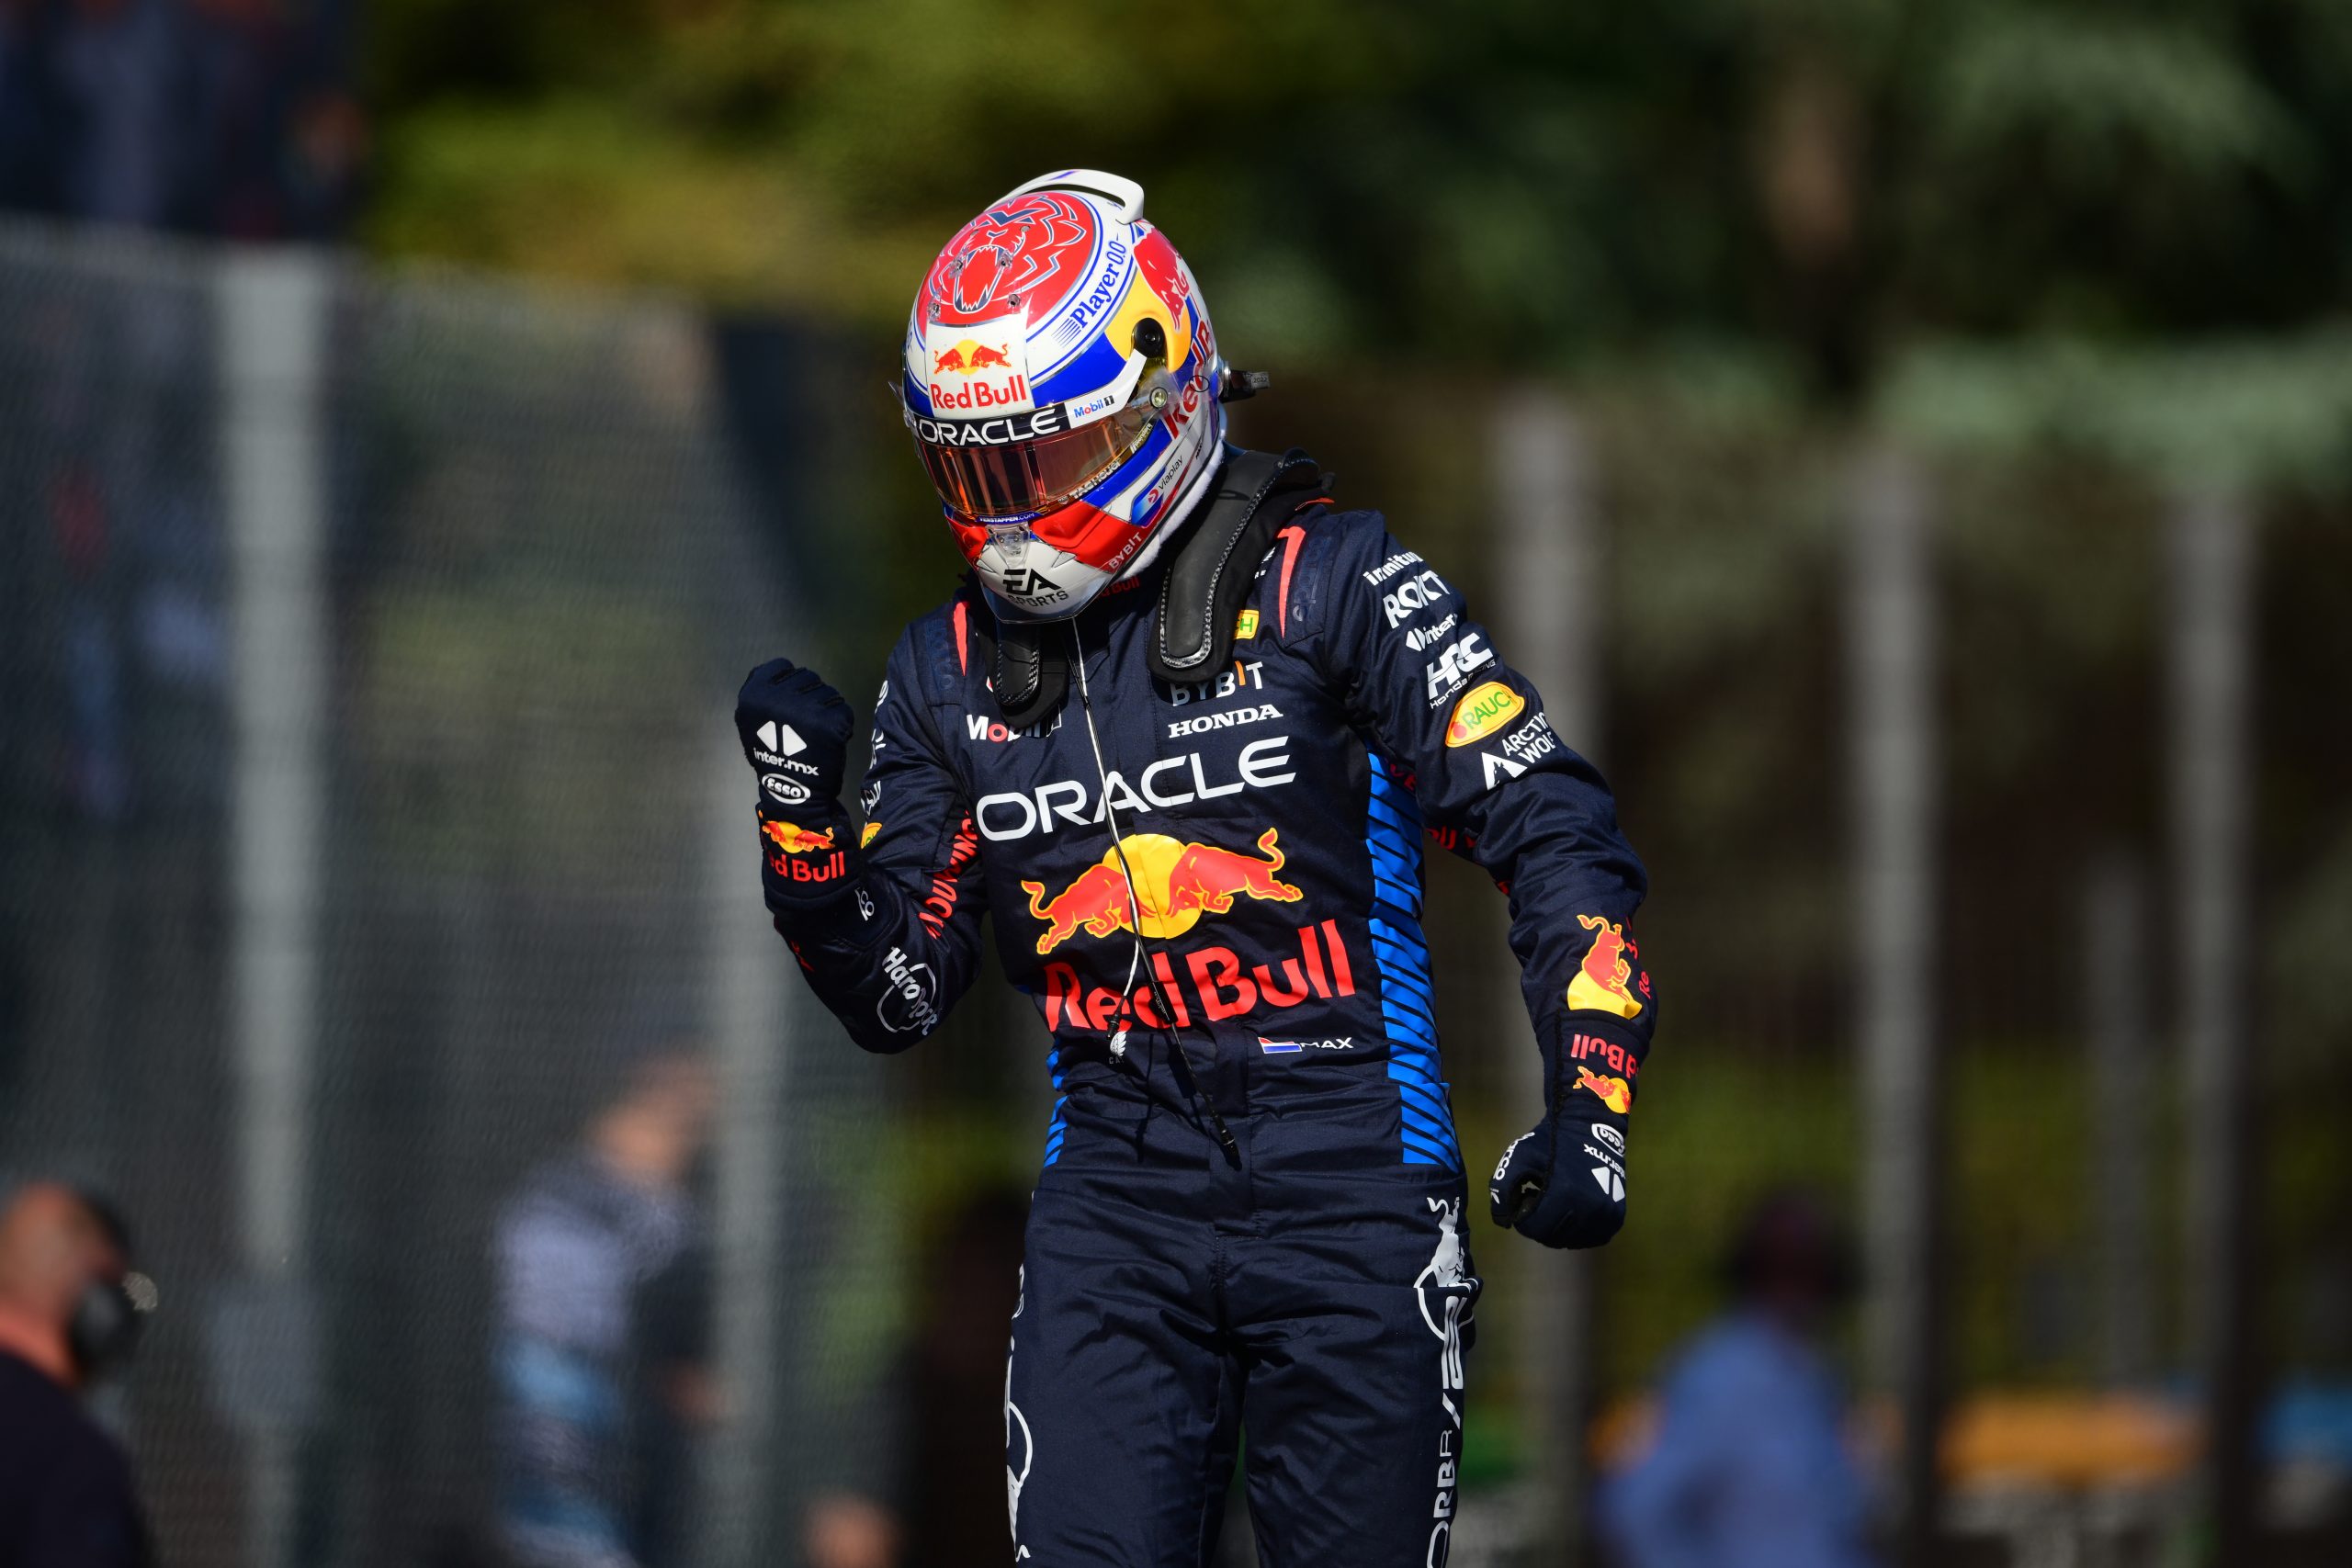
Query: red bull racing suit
{"x": 1312, "y": 1280}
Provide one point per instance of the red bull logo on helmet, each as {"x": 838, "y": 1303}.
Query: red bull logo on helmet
{"x": 978, "y": 377}
{"x": 968, "y": 357}
{"x": 1175, "y": 884}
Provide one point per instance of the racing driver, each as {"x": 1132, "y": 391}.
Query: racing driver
{"x": 1183, "y": 730}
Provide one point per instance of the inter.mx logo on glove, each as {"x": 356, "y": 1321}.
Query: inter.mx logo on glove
{"x": 779, "y": 743}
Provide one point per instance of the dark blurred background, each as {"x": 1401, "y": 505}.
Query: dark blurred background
{"x": 1911, "y": 443}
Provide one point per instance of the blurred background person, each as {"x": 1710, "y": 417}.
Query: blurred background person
{"x": 579, "y": 1249}
{"x": 920, "y": 1483}
{"x": 70, "y": 1310}
{"x": 1750, "y": 1466}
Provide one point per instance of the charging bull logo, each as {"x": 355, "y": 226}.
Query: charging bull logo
{"x": 793, "y": 841}
{"x": 1176, "y": 883}
{"x": 1601, "y": 982}
{"x": 1612, "y": 1091}
{"x": 967, "y": 358}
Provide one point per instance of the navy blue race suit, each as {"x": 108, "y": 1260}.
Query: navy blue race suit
{"x": 1312, "y": 1280}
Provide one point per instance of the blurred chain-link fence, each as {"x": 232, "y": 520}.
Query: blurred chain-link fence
{"x": 365, "y": 823}
{"x": 370, "y": 829}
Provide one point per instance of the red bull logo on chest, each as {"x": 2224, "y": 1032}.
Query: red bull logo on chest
{"x": 1216, "y": 983}
{"x": 1175, "y": 884}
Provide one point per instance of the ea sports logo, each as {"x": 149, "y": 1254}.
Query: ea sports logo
{"x": 1030, "y": 586}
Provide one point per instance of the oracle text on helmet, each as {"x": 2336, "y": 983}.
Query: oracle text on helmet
{"x": 1004, "y": 431}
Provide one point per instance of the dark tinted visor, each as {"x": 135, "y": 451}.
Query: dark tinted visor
{"x": 1014, "y": 479}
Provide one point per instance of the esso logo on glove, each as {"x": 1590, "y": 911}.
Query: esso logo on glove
{"x": 784, "y": 791}
{"x": 1610, "y": 1135}
{"x": 1504, "y": 1164}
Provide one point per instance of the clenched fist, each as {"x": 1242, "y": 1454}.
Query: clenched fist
{"x": 794, "y": 730}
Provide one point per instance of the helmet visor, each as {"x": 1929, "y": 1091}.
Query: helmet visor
{"x": 1023, "y": 478}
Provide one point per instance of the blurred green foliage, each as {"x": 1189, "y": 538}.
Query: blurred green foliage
{"x": 1375, "y": 182}
{"x": 2080, "y": 251}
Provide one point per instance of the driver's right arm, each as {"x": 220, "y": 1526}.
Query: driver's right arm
{"x": 886, "y": 922}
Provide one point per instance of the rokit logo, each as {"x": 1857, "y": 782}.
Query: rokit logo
{"x": 1412, "y": 597}
{"x": 1420, "y": 638}
{"x": 1451, "y": 670}
{"x": 1171, "y": 781}
{"x": 911, "y": 1006}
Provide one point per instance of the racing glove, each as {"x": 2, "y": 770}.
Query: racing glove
{"x": 1562, "y": 1183}
{"x": 795, "y": 731}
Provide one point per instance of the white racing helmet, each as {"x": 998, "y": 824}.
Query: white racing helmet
{"x": 1063, "y": 387}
